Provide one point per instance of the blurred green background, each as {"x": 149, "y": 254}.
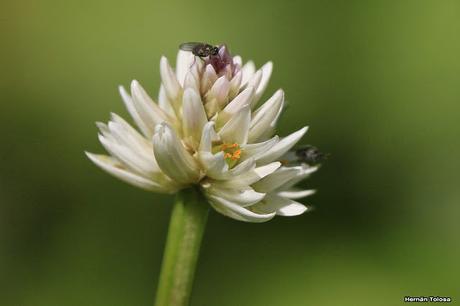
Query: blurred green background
{"x": 377, "y": 81}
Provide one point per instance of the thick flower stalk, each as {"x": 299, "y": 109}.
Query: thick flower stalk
{"x": 208, "y": 129}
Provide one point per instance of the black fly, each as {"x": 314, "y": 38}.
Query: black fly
{"x": 306, "y": 154}
{"x": 200, "y": 49}
{"x": 310, "y": 154}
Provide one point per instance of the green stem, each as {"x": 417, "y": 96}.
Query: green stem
{"x": 186, "y": 228}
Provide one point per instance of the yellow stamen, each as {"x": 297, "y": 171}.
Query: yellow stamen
{"x": 232, "y": 152}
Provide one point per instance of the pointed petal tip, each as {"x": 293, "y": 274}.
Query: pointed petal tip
{"x": 276, "y": 164}
{"x": 135, "y": 84}
{"x": 93, "y": 157}
{"x": 124, "y": 93}
{"x": 292, "y": 210}
{"x": 279, "y": 94}
{"x": 237, "y": 212}
{"x": 267, "y": 67}
{"x": 113, "y": 116}
{"x": 164, "y": 63}
{"x": 265, "y": 170}
{"x": 296, "y": 194}
{"x": 99, "y": 124}
{"x": 307, "y": 169}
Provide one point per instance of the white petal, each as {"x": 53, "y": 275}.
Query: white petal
{"x": 150, "y": 113}
{"x": 282, "y": 206}
{"x": 237, "y": 212}
{"x": 244, "y": 196}
{"x": 212, "y": 107}
{"x": 121, "y": 133}
{"x": 237, "y": 128}
{"x": 219, "y": 91}
{"x": 245, "y": 97}
{"x": 242, "y": 99}
{"x": 277, "y": 179}
{"x": 208, "y": 136}
{"x": 296, "y": 194}
{"x": 256, "y": 150}
{"x": 214, "y": 165}
{"x": 132, "y": 160}
{"x": 254, "y": 81}
{"x": 183, "y": 63}
{"x": 267, "y": 169}
{"x": 292, "y": 209}
{"x": 138, "y": 141}
{"x": 208, "y": 78}
{"x": 192, "y": 82}
{"x": 284, "y": 145}
{"x": 266, "y": 117}
{"x": 146, "y": 129}
{"x": 305, "y": 172}
{"x": 239, "y": 170}
{"x": 266, "y": 74}
{"x": 115, "y": 168}
{"x": 197, "y": 67}
{"x": 137, "y": 156}
{"x": 172, "y": 157}
{"x": 250, "y": 177}
{"x": 104, "y": 129}
{"x": 194, "y": 116}
{"x": 168, "y": 77}
{"x": 164, "y": 102}
{"x": 248, "y": 71}
{"x": 237, "y": 60}
{"x": 243, "y": 167}
{"x": 235, "y": 84}
{"x": 217, "y": 96}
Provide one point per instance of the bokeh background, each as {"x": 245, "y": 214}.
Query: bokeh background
{"x": 377, "y": 81}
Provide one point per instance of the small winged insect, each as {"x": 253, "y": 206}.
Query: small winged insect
{"x": 310, "y": 155}
{"x": 307, "y": 154}
{"x": 200, "y": 49}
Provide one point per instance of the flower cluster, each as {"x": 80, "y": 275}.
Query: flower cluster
{"x": 208, "y": 130}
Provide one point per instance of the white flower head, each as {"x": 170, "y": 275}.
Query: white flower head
{"x": 207, "y": 129}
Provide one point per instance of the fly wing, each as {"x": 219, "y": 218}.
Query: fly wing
{"x": 189, "y": 46}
